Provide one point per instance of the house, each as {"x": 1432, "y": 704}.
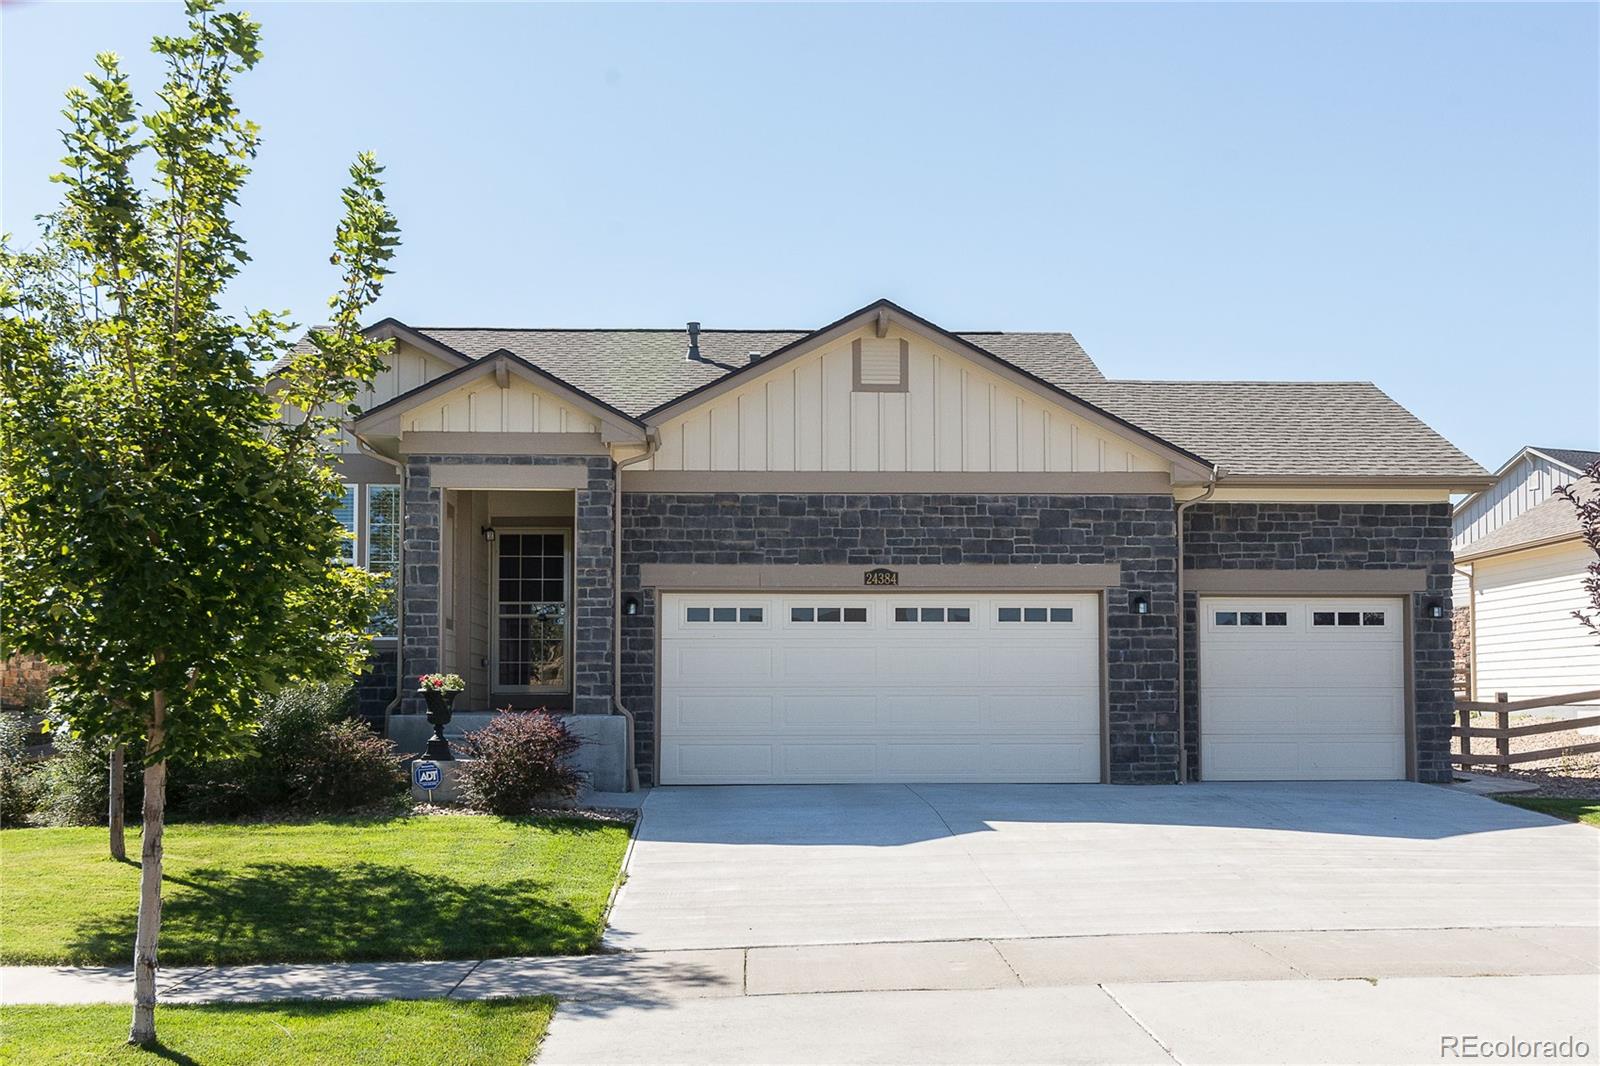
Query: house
{"x": 1521, "y": 562}
{"x": 883, "y": 551}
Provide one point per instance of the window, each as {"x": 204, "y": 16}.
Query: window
{"x": 725, "y": 614}
{"x": 1372, "y": 618}
{"x": 933, "y": 614}
{"x": 1249, "y": 618}
{"x": 1349, "y": 618}
{"x": 827, "y": 614}
{"x": 1034, "y": 614}
{"x": 383, "y": 552}
{"x": 1227, "y": 618}
{"x": 531, "y": 610}
{"x": 1277, "y": 618}
{"x": 1322, "y": 618}
{"x": 347, "y": 518}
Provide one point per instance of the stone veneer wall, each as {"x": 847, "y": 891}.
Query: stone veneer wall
{"x": 904, "y": 529}
{"x": 376, "y": 685}
{"x": 591, "y": 573}
{"x": 1258, "y": 536}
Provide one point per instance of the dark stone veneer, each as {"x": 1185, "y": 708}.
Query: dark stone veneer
{"x": 1259, "y": 536}
{"x": 1139, "y": 532}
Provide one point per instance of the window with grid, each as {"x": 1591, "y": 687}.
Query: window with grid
{"x": 531, "y": 609}
{"x": 383, "y": 552}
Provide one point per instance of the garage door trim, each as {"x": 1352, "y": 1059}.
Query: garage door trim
{"x": 1407, "y": 659}
{"x": 1103, "y": 620}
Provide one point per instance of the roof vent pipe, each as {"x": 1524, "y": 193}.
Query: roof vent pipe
{"x": 694, "y": 342}
{"x": 754, "y": 357}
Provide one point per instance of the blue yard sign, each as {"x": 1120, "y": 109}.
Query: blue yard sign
{"x": 426, "y": 774}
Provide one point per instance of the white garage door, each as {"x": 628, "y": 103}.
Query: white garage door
{"x": 879, "y": 687}
{"x": 1309, "y": 689}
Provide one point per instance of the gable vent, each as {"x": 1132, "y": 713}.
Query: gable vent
{"x": 880, "y": 364}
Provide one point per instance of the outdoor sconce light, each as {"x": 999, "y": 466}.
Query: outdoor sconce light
{"x": 1433, "y": 609}
{"x": 630, "y": 606}
{"x": 488, "y": 534}
{"x": 1141, "y": 604}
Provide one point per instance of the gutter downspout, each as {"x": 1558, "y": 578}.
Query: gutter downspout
{"x": 1183, "y": 694}
{"x": 399, "y": 583}
{"x": 652, "y": 445}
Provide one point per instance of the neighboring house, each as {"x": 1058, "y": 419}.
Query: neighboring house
{"x": 1521, "y": 562}
{"x": 882, "y": 551}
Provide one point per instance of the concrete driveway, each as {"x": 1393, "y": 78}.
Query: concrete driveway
{"x": 735, "y": 867}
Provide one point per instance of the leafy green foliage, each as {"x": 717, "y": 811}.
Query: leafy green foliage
{"x": 161, "y": 530}
{"x": 501, "y": 1032}
{"x": 438, "y": 887}
{"x": 19, "y": 779}
{"x": 518, "y": 759}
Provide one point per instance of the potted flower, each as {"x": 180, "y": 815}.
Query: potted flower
{"x": 440, "y": 690}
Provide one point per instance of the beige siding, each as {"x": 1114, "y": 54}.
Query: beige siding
{"x": 1528, "y": 483}
{"x": 1528, "y": 643}
{"x": 484, "y": 407}
{"x": 954, "y": 415}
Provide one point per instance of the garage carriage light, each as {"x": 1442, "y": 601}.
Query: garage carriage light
{"x": 1141, "y": 604}
{"x": 488, "y": 533}
{"x": 1433, "y": 609}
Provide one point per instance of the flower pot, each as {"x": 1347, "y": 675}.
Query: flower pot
{"x": 439, "y": 715}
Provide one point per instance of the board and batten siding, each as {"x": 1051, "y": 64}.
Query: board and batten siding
{"x": 1530, "y": 481}
{"x": 1527, "y": 642}
{"x": 484, "y": 407}
{"x": 953, "y": 415}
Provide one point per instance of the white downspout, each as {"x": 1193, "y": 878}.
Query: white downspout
{"x": 399, "y": 584}
{"x": 652, "y": 444}
{"x": 1183, "y": 693}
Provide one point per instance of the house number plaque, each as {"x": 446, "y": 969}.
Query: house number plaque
{"x": 881, "y": 575}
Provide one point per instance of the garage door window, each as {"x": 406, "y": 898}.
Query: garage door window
{"x": 1034, "y": 614}
{"x": 933, "y": 614}
{"x": 723, "y": 614}
{"x": 1252, "y": 618}
{"x": 828, "y": 614}
{"x": 1348, "y": 618}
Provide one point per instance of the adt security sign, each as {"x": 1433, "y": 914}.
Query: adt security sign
{"x": 426, "y": 774}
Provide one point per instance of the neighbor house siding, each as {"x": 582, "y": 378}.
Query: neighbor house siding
{"x": 1528, "y": 643}
{"x": 1530, "y": 481}
{"x": 1250, "y": 536}
{"x": 1137, "y": 532}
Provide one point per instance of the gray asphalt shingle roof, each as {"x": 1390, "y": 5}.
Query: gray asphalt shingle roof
{"x": 1260, "y": 429}
{"x": 1576, "y": 458}
{"x": 1286, "y": 428}
{"x": 1551, "y": 520}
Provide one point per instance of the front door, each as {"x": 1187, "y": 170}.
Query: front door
{"x": 532, "y": 638}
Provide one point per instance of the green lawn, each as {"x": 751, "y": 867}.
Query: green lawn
{"x": 1573, "y": 810}
{"x": 400, "y": 888}
{"x": 489, "y": 1033}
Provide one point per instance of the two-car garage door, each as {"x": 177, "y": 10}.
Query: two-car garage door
{"x": 795, "y": 688}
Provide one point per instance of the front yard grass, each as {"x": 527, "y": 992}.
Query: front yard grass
{"x": 502, "y": 1032}
{"x": 441, "y": 887}
{"x": 1565, "y": 807}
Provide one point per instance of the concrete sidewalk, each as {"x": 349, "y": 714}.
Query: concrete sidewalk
{"x": 650, "y": 979}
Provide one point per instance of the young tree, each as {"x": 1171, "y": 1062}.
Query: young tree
{"x": 167, "y": 539}
{"x": 1586, "y": 499}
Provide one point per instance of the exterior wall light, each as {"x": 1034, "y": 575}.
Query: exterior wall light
{"x": 1433, "y": 609}
{"x": 630, "y": 606}
{"x": 1141, "y": 604}
{"x": 488, "y": 534}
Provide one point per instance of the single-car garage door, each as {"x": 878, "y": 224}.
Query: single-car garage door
{"x": 879, "y": 687}
{"x": 1309, "y": 689}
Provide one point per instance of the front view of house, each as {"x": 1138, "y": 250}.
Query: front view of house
{"x": 880, "y": 551}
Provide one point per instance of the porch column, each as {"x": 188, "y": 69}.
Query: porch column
{"x": 593, "y": 556}
{"x": 420, "y": 634}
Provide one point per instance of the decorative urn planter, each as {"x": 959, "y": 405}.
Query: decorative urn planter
{"x": 440, "y": 693}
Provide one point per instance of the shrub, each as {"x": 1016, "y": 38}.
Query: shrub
{"x": 347, "y": 766}
{"x": 74, "y": 783}
{"x": 19, "y": 780}
{"x": 519, "y": 759}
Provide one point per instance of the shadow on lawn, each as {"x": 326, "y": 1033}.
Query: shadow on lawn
{"x": 283, "y": 912}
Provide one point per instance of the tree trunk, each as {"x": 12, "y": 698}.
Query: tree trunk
{"x": 114, "y": 813}
{"x": 143, "y": 1030}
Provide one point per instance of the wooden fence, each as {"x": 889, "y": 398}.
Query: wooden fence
{"x": 1503, "y": 730}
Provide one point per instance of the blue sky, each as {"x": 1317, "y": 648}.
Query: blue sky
{"x": 1402, "y": 194}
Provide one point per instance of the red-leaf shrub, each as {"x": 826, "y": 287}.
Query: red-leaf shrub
{"x": 519, "y": 759}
